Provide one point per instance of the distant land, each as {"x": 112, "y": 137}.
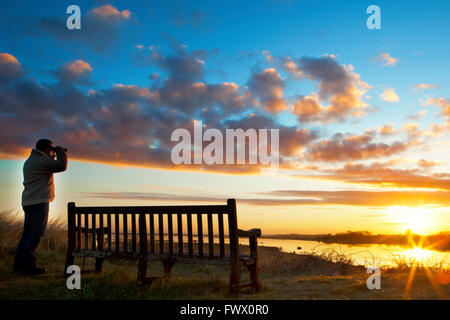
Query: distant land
{"x": 439, "y": 242}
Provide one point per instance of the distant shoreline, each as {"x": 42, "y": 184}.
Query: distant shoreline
{"x": 438, "y": 242}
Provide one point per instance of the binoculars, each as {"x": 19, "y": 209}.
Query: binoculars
{"x": 54, "y": 149}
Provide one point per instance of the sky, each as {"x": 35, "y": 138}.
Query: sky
{"x": 363, "y": 114}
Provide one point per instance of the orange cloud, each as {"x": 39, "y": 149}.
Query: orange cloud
{"x": 10, "y": 68}
{"x": 352, "y": 147}
{"x": 108, "y": 11}
{"x": 389, "y": 95}
{"x": 386, "y": 60}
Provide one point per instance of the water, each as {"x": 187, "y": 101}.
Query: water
{"x": 367, "y": 255}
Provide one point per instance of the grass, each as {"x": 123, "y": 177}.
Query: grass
{"x": 315, "y": 275}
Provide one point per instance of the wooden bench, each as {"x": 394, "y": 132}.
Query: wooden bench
{"x": 146, "y": 233}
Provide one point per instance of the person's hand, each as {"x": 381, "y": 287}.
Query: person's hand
{"x": 61, "y": 148}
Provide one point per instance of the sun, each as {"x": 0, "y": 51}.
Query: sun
{"x": 418, "y": 254}
{"x": 418, "y": 220}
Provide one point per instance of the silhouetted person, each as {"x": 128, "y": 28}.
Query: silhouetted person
{"x": 39, "y": 191}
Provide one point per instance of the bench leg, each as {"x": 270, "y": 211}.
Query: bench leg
{"x": 69, "y": 261}
{"x": 99, "y": 264}
{"x": 168, "y": 264}
{"x": 235, "y": 271}
{"x": 142, "y": 272}
{"x": 253, "y": 269}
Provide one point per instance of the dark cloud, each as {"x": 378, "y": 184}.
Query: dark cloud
{"x": 268, "y": 86}
{"x": 77, "y": 71}
{"x": 99, "y": 27}
{"x": 353, "y": 147}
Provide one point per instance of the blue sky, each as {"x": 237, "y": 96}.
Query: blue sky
{"x": 233, "y": 40}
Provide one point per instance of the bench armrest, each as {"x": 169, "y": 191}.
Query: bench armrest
{"x": 249, "y": 233}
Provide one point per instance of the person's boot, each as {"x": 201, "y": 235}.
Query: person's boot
{"x": 35, "y": 271}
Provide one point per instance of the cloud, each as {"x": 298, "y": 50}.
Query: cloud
{"x": 425, "y": 164}
{"x": 418, "y": 115}
{"x": 389, "y": 95}
{"x": 337, "y": 84}
{"x": 387, "y": 129}
{"x": 308, "y": 109}
{"x": 424, "y": 86}
{"x": 383, "y": 175}
{"x": 74, "y": 71}
{"x": 292, "y": 139}
{"x": 108, "y": 12}
{"x": 299, "y": 197}
{"x": 441, "y": 102}
{"x": 386, "y": 60}
{"x": 268, "y": 86}
{"x": 352, "y": 147}
{"x": 10, "y": 68}
{"x": 99, "y": 27}
{"x": 129, "y": 124}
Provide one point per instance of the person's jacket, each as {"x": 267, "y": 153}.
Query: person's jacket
{"x": 38, "y": 176}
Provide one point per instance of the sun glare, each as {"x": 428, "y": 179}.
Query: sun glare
{"x": 416, "y": 219}
{"x": 418, "y": 254}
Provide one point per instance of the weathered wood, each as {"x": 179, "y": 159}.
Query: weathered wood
{"x": 152, "y": 234}
{"x": 253, "y": 242}
{"x": 170, "y": 231}
{"x": 100, "y": 231}
{"x": 168, "y": 264}
{"x": 180, "y": 234}
{"x": 86, "y": 228}
{"x": 109, "y": 231}
{"x": 200, "y": 234}
{"x": 190, "y": 235}
{"x": 70, "y": 236}
{"x": 117, "y": 229}
{"x": 133, "y": 233}
{"x": 139, "y": 247}
{"x": 125, "y": 232}
{"x": 161, "y": 233}
{"x": 143, "y": 250}
{"x": 210, "y": 235}
{"x": 78, "y": 231}
{"x": 249, "y": 233}
{"x": 93, "y": 233}
{"x": 234, "y": 247}
{"x": 154, "y": 209}
{"x": 221, "y": 235}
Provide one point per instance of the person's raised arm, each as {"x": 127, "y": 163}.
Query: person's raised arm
{"x": 58, "y": 165}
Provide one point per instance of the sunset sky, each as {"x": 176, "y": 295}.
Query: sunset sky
{"x": 364, "y": 115}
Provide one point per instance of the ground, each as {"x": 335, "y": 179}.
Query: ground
{"x": 283, "y": 276}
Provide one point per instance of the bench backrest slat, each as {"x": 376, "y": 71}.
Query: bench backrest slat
{"x": 200, "y": 234}
{"x": 78, "y": 246}
{"x": 152, "y": 234}
{"x": 170, "y": 231}
{"x": 86, "y": 234}
{"x": 210, "y": 235}
{"x": 161, "y": 233}
{"x": 108, "y": 229}
{"x": 93, "y": 233}
{"x": 221, "y": 236}
{"x": 180, "y": 234}
{"x": 190, "y": 237}
{"x": 133, "y": 233}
